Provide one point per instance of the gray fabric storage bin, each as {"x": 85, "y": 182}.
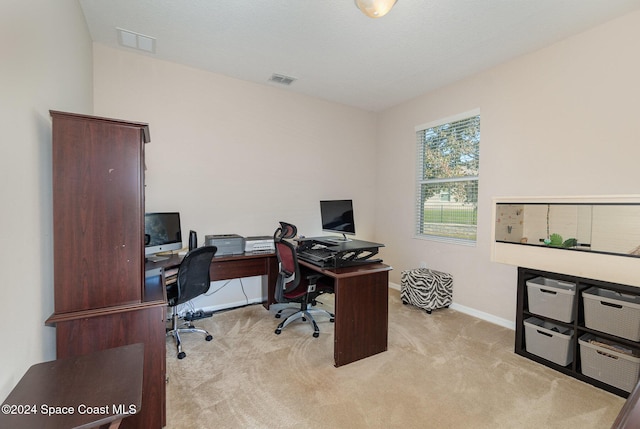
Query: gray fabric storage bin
{"x": 612, "y": 312}
{"x": 602, "y": 363}
{"x": 551, "y": 298}
{"x": 548, "y": 340}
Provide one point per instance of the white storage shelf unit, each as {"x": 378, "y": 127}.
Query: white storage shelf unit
{"x": 559, "y": 317}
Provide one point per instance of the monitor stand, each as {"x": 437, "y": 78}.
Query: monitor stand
{"x": 339, "y": 240}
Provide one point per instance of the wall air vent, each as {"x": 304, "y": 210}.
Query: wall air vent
{"x": 282, "y": 79}
{"x": 136, "y": 40}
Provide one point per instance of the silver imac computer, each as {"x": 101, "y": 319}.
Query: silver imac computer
{"x": 337, "y": 216}
{"x": 162, "y": 233}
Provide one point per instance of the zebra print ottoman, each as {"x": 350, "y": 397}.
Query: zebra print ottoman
{"x": 425, "y": 288}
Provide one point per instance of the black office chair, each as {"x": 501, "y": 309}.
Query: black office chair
{"x": 192, "y": 281}
{"x": 296, "y": 285}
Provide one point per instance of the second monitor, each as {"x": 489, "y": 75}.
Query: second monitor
{"x": 337, "y": 216}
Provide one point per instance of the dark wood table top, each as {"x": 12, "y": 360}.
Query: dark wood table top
{"x": 80, "y": 392}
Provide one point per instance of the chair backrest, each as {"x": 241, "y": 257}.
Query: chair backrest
{"x": 193, "y": 275}
{"x": 289, "y": 269}
{"x": 286, "y": 231}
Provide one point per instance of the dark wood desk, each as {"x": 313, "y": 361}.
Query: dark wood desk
{"x": 236, "y": 267}
{"x": 361, "y": 298}
{"x": 361, "y": 309}
{"x": 87, "y": 391}
{"x": 249, "y": 265}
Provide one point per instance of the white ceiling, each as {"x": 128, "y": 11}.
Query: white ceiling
{"x": 337, "y": 53}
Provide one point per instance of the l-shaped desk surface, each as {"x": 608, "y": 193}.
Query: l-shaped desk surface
{"x": 361, "y": 298}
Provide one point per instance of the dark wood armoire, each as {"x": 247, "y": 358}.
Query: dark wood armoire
{"x": 101, "y": 300}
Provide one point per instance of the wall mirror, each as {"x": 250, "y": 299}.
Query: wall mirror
{"x": 611, "y": 228}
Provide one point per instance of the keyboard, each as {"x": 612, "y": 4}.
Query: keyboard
{"x": 316, "y": 254}
{"x": 156, "y": 258}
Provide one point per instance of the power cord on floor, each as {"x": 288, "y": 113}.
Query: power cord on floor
{"x": 243, "y": 292}
{"x": 218, "y": 289}
{"x": 190, "y": 313}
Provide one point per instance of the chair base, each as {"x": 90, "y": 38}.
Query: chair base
{"x": 305, "y": 315}
{"x": 293, "y": 309}
{"x": 284, "y": 308}
{"x": 176, "y": 330}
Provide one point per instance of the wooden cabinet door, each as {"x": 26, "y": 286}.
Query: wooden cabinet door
{"x": 98, "y": 213}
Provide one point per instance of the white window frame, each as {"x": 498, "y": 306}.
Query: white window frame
{"x": 419, "y": 203}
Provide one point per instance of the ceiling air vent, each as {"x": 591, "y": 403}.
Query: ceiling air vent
{"x": 282, "y": 79}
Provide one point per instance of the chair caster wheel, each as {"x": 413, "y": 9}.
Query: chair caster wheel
{"x": 304, "y": 319}
{"x": 182, "y": 355}
{"x": 332, "y": 320}
{"x": 278, "y": 331}
{"x": 278, "y": 316}
{"x": 209, "y": 337}
{"x": 316, "y": 334}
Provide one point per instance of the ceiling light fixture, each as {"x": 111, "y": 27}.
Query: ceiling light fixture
{"x": 375, "y": 8}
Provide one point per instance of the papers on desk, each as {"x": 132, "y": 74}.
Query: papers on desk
{"x": 171, "y": 276}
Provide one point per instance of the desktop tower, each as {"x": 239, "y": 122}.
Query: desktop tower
{"x": 193, "y": 240}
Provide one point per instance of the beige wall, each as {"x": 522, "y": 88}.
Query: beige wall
{"x": 560, "y": 121}
{"x": 46, "y": 64}
{"x": 235, "y": 157}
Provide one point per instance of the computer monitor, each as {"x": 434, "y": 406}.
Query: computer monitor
{"x": 162, "y": 232}
{"x": 337, "y": 216}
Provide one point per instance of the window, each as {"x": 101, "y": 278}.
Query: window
{"x": 447, "y": 186}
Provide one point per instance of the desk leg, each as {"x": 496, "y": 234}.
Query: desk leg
{"x": 269, "y": 282}
{"x": 362, "y": 315}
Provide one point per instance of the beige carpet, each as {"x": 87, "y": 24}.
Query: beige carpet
{"x": 444, "y": 370}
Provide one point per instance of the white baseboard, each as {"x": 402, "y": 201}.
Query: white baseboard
{"x": 484, "y": 316}
{"x": 461, "y": 308}
{"x": 226, "y": 306}
{"x": 473, "y": 312}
